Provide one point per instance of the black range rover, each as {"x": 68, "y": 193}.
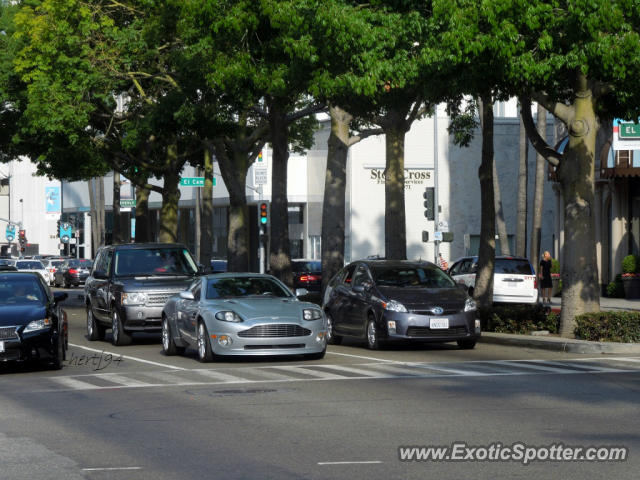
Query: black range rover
{"x": 129, "y": 285}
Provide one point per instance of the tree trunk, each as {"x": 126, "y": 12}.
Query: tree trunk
{"x": 206, "y": 229}
{"x": 501, "y": 225}
{"x": 580, "y": 289}
{"x": 395, "y": 232}
{"x": 538, "y": 198}
{"x": 280, "y": 250}
{"x": 170, "y": 199}
{"x": 521, "y": 221}
{"x": 486, "y": 256}
{"x": 143, "y": 227}
{"x": 94, "y": 218}
{"x": 117, "y": 224}
{"x": 333, "y": 203}
{"x": 101, "y": 228}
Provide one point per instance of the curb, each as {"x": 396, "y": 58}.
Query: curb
{"x": 568, "y": 345}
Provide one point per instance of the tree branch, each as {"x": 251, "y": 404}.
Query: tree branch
{"x": 539, "y": 143}
{"x": 364, "y": 134}
{"x": 311, "y": 109}
{"x": 560, "y": 110}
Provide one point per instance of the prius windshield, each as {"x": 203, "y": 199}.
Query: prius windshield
{"x": 411, "y": 276}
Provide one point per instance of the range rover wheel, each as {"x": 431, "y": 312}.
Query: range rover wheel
{"x": 95, "y": 331}
{"x": 205, "y": 354}
{"x": 119, "y": 336}
{"x": 169, "y": 346}
{"x": 332, "y": 338}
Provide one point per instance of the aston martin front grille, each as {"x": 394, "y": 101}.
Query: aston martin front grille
{"x": 8, "y": 333}
{"x": 275, "y": 330}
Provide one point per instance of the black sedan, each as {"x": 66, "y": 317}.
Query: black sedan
{"x": 307, "y": 274}
{"x": 392, "y": 300}
{"x": 33, "y": 326}
{"x": 72, "y": 272}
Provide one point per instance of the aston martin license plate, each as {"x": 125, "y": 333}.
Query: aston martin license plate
{"x": 438, "y": 323}
{"x": 1, "y": 347}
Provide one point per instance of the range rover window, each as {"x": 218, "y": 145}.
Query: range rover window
{"x": 154, "y": 261}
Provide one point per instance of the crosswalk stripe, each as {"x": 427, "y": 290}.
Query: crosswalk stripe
{"x": 75, "y": 384}
{"x": 588, "y": 368}
{"x": 309, "y": 371}
{"x": 452, "y": 371}
{"x": 218, "y": 375}
{"x": 125, "y": 381}
{"x": 533, "y": 366}
{"x": 359, "y": 371}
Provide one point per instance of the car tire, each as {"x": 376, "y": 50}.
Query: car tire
{"x": 119, "y": 336}
{"x": 205, "y": 353}
{"x": 95, "y": 331}
{"x": 332, "y": 338}
{"x": 58, "y": 360}
{"x": 169, "y": 346}
{"x": 373, "y": 342}
{"x": 466, "y": 344}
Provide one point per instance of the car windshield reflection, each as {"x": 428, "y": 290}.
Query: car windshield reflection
{"x": 412, "y": 277}
{"x": 244, "y": 287}
{"x": 21, "y": 292}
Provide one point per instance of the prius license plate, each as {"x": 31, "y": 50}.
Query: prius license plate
{"x": 1, "y": 347}
{"x": 438, "y": 323}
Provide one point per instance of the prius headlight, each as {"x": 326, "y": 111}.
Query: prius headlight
{"x": 394, "y": 306}
{"x": 311, "y": 314}
{"x": 469, "y": 305}
{"x": 228, "y": 316}
{"x": 37, "y": 325}
{"x": 134, "y": 298}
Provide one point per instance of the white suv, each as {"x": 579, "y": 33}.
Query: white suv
{"x": 514, "y": 280}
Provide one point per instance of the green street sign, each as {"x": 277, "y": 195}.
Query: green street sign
{"x": 629, "y": 130}
{"x": 129, "y": 202}
{"x": 194, "y": 182}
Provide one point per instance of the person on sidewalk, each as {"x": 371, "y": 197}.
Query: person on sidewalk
{"x": 442, "y": 263}
{"x": 545, "y": 277}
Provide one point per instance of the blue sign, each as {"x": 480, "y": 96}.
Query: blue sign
{"x": 52, "y": 196}
{"x": 10, "y": 232}
{"x": 66, "y": 232}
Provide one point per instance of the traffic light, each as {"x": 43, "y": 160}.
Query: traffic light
{"x": 58, "y": 229}
{"x": 22, "y": 237}
{"x": 429, "y": 201}
{"x": 263, "y": 214}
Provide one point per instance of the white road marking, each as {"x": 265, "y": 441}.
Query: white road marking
{"x": 123, "y": 380}
{"x": 535, "y": 367}
{"x": 362, "y": 356}
{"x": 363, "y": 462}
{"x": 218, "y": 375}
{"x": 358, "y": 371}
{"x": 107, "y": 469}
{"x": 452, "y": 371}
{"x": 136, "y": 359}
{"x": 310, "y": 372}
{"x": 74, "y": 384}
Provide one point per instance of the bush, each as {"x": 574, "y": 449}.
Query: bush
{"x": 616, "y": 289}
{"x": 631, "y": 264}
{"x": 518, "y": 319}
{"x": 555, "y": 266}
{"x": 609, "y": 327}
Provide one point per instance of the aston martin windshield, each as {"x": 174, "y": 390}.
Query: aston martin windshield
{"x": 244, "y": 287}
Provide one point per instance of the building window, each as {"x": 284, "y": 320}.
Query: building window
{"x": 624, "y": 158}
{"x": 315, "y": 243}
{"x": 296, "y": 214}
{"x": 297, "y": 250}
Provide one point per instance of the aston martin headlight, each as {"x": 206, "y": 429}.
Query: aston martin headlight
{"x": 228, "y": 316}
{"x": 394, "y": 306}
{"x": 37, "y": 325}
{"x": 311, "y": 314}
{"x": 469, "y": 305}
{"x": 134, "y": 298}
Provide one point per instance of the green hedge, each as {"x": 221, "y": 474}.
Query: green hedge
{"x": 615, "y": 289}
{"x": 518, "y": 319}
{"x": 609, "y": 326}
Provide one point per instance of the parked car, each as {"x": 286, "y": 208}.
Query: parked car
{"x": 52, "y": 264}
{"x": 129, "y": 285}
{"x": 514, "y": 279}
{"x": 242, "y": 314}
{"x": 33, "y": 326}
{"x": 32, "y": 266}
{"x": 218, "y": 265}
{"x": 393, "y": 300}
{"x": 72, "y": 272}
{"x": 7, "y": 262}
{"x": 307, "y": 274}
{"x": 8, "y": 268}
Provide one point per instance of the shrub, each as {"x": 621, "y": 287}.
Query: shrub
{"x": 518, "y": 319}
{"x": 609, "y": 326}
{"x": 630, "y": 264}
{"x": 555, "y": 266}
{"x": 616, "y": 289}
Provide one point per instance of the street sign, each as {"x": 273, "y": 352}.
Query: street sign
{"x": 259, "y": 176}
{"x": 10, "y": 232}
{"x": 66, "y": 232}
{"x": 437, "y": 236}
{"x": 128, "y": 203}
{"x": 629, "y": 130}
{"x": 192, "y": 181}
{"x": 443, "y": 226}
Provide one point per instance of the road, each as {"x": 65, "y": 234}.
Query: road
{"x": 133, "y": 413}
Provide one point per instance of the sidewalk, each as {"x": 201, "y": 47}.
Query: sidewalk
{"x": 569, "y": 344}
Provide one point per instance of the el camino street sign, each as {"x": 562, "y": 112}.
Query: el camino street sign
{"x": 629, "y": 130}
{"x": 194, "y": 182}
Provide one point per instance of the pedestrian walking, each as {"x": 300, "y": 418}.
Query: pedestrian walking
{"x": 545, "y": 277}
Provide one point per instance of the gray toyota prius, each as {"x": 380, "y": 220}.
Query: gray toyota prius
{"x": 392, "y": 300}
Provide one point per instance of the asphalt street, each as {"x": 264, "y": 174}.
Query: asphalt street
{"x": 133, "y": 413}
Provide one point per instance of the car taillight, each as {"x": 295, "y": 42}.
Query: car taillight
{"x": 535, "y": 284}
{"x": 309, "y": 278}
{"x": 73, "y": 271}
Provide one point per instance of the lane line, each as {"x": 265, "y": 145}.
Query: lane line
{"x": 362, "y": 356}
{"x": 363, "y": 462}
{"x": 108, "y": 469}
{"x": 136, "y": 359}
